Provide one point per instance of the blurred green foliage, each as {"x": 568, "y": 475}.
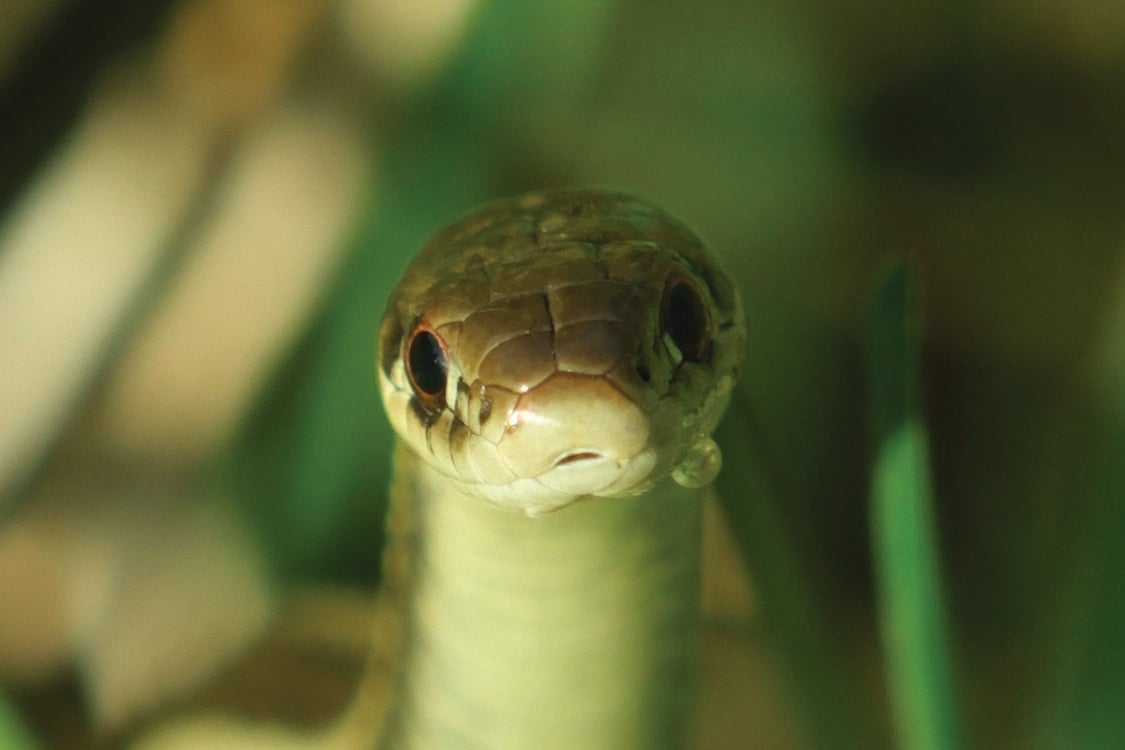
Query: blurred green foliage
{"x": 13, "y": 734}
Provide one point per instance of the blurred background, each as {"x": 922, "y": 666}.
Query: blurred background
{"x": 204, "y": 204}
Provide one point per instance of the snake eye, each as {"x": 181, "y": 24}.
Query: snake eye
{"x": 684, "y": 319}
{"x": 426, "y": 365}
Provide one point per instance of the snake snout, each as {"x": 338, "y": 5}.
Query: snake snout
{"x": 576, "y": 433}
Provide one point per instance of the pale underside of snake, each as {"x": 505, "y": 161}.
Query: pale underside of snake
{"x": 554, "y": 366}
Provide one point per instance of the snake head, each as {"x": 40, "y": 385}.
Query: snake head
{"x": 560, "y": 345}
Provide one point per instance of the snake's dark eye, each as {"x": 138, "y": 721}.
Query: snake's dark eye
{"x": 426, "y": 365}
{"x": 684, "y": 318}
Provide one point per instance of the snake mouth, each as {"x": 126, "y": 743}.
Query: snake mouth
{"x": 585, "y": 472}
{"x": 577, "y": 457}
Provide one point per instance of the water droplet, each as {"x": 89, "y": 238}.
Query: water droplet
{"x": 700, "y": 465}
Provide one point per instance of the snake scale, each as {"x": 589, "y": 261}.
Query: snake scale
{"x": 554, "y": 365}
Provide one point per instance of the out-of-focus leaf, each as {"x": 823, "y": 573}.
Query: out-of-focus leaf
{"x": 1093, "y": 713}
{"x": 13, "y": 734}
{"x": 793, "y": 599}
{"x": 43, "y": 93}
{"x": 905, "y": 555}
{"x": 1084, "y": 705}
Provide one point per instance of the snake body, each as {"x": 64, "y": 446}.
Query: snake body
{"x": 554, "y": 365}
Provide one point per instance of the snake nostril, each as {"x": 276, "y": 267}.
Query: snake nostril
{"x": 643, "y": 372}
{"x": 572, "y": 458}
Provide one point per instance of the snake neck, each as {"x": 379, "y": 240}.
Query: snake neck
{"x": 572, "y": 630}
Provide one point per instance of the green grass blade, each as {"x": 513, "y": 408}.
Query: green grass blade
{"x": 904, "y": 539}
{"x": 1086, "y": 704}
{"x": 795, "y": 603}
{"x": 13, "y": 734}
{"x": 1097, "y": 707}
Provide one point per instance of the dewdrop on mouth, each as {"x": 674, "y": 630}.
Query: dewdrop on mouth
{"x": 700, "y": 464}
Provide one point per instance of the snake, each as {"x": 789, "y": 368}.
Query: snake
{"x": 554, "y": 365}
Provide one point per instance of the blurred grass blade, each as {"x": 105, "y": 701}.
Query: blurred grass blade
{"x": 905, "y": 556}
{"x": 13, "y": 734}
{"x": 1096, "y": 706}
{"x": 1085, "y": 705}
{"x": 796, "y": 604}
